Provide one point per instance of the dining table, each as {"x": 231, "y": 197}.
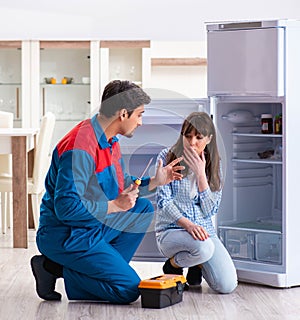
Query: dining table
{"x": 21, "y": 143}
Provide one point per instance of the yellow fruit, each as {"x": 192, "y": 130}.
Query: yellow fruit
{"x": 53, "y": 80}
{"x": 64, "y": 81}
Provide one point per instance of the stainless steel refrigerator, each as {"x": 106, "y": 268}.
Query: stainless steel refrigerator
{"x": 254, "y": 70}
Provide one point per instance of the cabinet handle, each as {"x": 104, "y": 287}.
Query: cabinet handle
{"x": 17, "y": 104}
{"x": 43, "y": 101}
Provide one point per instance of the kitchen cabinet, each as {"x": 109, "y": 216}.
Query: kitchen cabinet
{"x": 25, "y": 65}
{"x": 126, "y": 60}
{"x": 18, "y": 81}
{"x": 71, "y": 102}
{"x": 11, "y": 79}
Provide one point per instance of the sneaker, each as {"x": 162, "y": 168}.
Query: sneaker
{"x": 194, "y": 276}
{"x": 169, "y": 269}
{"x": 45, "y": 281}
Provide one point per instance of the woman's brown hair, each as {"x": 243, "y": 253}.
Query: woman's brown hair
{"x": 202, "y": 124}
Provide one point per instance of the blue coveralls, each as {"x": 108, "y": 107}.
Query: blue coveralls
{"x": 75, "y": 231}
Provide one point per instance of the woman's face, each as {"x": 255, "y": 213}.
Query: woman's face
{"x": 196, "y": 141}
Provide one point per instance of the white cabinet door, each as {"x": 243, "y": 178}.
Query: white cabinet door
{"x": 11, "y": 72}
{"x": 69, "y": 80}
{"x": 246, "y": 62}
{"x": 125, "y": 60}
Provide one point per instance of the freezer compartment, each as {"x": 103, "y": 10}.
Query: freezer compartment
{"x": 236, "y": 59}
{"x": 253, "y": 245}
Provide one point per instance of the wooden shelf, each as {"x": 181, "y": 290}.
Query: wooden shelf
{"x": 65, "y": 44}
{"x": 178, "y": 62}
{"x": 10, "y": 44}
{"x": 125, "y": 44}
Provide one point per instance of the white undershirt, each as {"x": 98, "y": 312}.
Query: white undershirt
{"x": 194, "y": 189}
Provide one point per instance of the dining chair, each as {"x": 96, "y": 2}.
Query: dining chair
{"x": 6, "y": 121}
{"x": 42, "y": 158}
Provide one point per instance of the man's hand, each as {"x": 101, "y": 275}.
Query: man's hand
{"x": 125, "y": 200}
{"x": 166, "y": 174}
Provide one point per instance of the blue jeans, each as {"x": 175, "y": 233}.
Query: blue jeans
{"x": 217, "y": 266}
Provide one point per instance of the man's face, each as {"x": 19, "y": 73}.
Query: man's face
{"x": 129, "y": 124}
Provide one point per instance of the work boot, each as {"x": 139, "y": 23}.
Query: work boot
{"x": 169, "y": 269}
{"x": 45, "y": 281}
{"x": 194, "y": 276}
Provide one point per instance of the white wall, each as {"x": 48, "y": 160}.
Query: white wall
{"x": 130, "y": 19}
{"x": 190, "y": 81}
{"x": 155, "y": 20}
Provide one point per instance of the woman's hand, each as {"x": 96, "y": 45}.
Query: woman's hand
{"x": 166, "y": 174}
{"x": 195, "y": 162}
{"x": 197, "y": 232}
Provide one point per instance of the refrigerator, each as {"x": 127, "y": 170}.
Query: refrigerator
{"x": 162, "y": 122}
{"x": 253, "y": 71}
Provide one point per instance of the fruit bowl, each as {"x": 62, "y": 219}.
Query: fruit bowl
{"x": 68, "y": 79}
{"x": 48, "y": 80}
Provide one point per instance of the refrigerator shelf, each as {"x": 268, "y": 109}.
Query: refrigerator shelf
{"x": 266, "y": 161}
{"x": 257, "y": 135}
{"x": 268, "y": 227}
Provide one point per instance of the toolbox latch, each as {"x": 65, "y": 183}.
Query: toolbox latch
{"x": 179, "y": 287}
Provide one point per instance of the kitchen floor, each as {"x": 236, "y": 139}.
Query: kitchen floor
{"x": 18, "y": 299}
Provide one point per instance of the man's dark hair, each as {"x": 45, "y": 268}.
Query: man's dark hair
{"x": 119, "y": 95}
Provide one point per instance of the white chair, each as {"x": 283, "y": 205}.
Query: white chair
{"x": 6, "y": 121}
{"x": 41, "y": 164}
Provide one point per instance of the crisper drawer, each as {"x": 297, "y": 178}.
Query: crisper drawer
{"x": 258, "y": 246}
{"x": 239, "y": 243}
{"x": 268, "y": 247}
